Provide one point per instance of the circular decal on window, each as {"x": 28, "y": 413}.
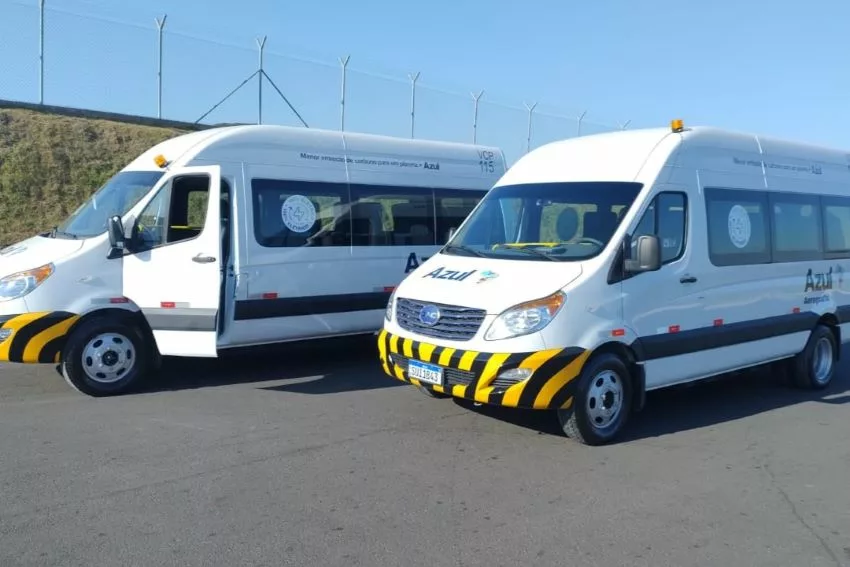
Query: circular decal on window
{"x": 298, "y": 213}
{"x": 740, "y": 229}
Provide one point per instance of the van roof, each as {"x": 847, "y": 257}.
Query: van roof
{"x": 240, "y": 143}
{"x": 621, "y": 155}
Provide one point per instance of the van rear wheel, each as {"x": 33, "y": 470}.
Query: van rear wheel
{"x": 602, "y": 402}
{"x": 105, "y": 356}
{"x": 814, "y": 368}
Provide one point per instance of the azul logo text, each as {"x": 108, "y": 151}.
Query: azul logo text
{"x": 443, "y": 274}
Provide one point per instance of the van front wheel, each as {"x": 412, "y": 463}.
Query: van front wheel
{"x": 105, "y": 356}
{"x": 602, "y": 401}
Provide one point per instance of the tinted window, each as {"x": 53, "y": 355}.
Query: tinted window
{"x": 796, "y": 227}
{"x": 666, "y": 218}
{"x": 452, "y": 209}
{"x": 391, "y": 216}
{"x": 178, "y": 212}
{"x": 545, "y": 221}
{"x": 737, "y": 227}
{"x": 836, "y": 225}
{"x": 300, "y": 213}
{"x": 116, "y": 197}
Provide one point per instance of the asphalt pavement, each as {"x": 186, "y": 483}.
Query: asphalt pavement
{"x": 308, "y": 455}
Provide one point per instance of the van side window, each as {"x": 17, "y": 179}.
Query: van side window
{"x": 177, "y": 213}
{"x": 836, "y": 226}
{"x": 452, "y": 209}
{"x": 391, "y": 216}
{"x": 291, "y": 214}
{"x": 666, "y": 218}
{"x": 738, "y": 227}
{"x": 796, "y": 227}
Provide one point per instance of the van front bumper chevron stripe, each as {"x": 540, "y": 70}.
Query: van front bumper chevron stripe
{"x": 34, "y": 337}
{"x": 481, "y": 376}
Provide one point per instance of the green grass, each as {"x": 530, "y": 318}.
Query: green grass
{"x": 49, "y": 164}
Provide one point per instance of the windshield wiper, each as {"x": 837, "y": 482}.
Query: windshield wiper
{"x": 463, "y": 248}
{"x": 532, "y": 251}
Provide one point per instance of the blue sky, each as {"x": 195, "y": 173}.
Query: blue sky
{"x": 770, "y": 67}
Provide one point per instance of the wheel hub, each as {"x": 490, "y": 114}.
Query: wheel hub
{"x": 605, "y": 399}
{"x": 108, "y": 357}
{"x": 822, "y": 360}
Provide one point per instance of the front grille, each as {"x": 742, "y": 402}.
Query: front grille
{"x": 456, "y": 323}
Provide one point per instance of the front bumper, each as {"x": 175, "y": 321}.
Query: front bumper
{"x": 477, "y": 376}
{"x": 34, "y": 337}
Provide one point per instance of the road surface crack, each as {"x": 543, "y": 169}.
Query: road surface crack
{"x": 799, "y": 517}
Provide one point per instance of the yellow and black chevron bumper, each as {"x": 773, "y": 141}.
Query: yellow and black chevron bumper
{"x": 34, "y": 337}
{"x": 480, "y": 376}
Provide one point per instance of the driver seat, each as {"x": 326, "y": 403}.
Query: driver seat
{"x": 566, "y": 226}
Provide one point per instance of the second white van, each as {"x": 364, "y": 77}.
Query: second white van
{"x": 603, "y": 267}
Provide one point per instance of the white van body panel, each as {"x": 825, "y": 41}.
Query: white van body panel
{"x": 693, "y": 318}
{"x": 489, "y": 284}
{"x": 34, "y": 252}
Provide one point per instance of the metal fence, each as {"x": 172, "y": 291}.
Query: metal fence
{"x": 50, "y": 55}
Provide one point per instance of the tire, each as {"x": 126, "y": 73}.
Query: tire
{"x": 96, "y": 342}
{"x": 432, "y": 394}
{"x": 814, "y": 368}
{"x": 605, "y": 379}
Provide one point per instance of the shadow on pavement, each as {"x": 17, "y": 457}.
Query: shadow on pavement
{"x": 682, "y": 408}
{"x": 321, "y": 366}
{"x": 729, "y": 398}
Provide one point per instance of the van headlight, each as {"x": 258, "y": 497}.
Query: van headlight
{"x": 526, "y": 318}
{"x": 18, "y": 285}
{"x": 388, "y": 314}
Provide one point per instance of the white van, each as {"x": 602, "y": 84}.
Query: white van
{"x": 233, "y": 237}
{"x": 601, "y": 267}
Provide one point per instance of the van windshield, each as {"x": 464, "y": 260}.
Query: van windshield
{"x": 116, "y": 197}
{"x": 545, "y": 221}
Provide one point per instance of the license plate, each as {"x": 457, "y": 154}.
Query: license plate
{"x": 425, "y": 372}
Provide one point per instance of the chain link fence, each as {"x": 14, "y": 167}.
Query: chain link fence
{"x": 52, "y": 56}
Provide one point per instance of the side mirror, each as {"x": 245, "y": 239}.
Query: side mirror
{"x": 115, "y": 228}
{"x": 647, "y": 255}
{"x": 452, "y": 231}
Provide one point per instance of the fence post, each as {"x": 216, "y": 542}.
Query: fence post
{"x": 344, "y": 64}
{"x": 40, "y": 51}
{"x": 476, "y": 98}
{"x": 530, "y": 111}
{"x": 580, "y": 118}
{"x": 413, "y": 79}
{"x": 160, "y": 24}
{"x": 261, "y": 46}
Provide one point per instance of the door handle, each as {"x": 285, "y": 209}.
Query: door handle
{"x": 687, "y": 279}
{"x": 201, "y": 259}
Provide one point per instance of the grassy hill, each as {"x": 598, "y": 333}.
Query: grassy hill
{"x": 50, "y": 163}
